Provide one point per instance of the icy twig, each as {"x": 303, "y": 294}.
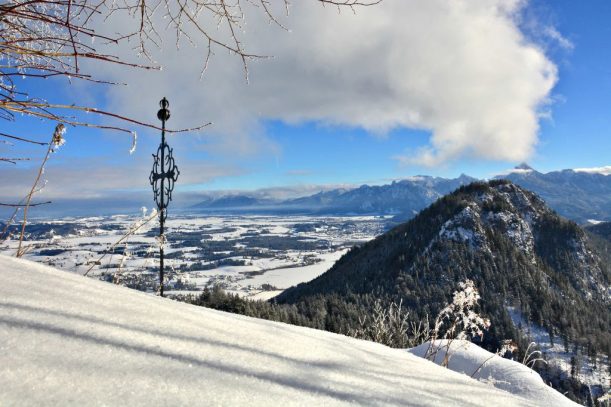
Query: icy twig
{"x": 131, "y": 231}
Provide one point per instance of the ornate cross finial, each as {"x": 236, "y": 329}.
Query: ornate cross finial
{"x": 163, "y": 177}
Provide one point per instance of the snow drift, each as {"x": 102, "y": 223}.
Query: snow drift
{"x": 69, "y": 340}
{"x": 469, "y": 359}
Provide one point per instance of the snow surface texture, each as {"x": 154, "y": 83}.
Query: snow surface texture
{"x": 69, "y": 340}
{"x": 469, "y": 359}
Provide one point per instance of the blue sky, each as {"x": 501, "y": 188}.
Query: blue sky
{"x": 579, "y": 135}
{"x": 349, "y": 115}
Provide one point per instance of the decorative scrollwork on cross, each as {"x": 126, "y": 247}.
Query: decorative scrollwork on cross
{"x": 163, "y": 176}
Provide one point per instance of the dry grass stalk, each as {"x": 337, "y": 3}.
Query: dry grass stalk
{"x": 56, "y": 141}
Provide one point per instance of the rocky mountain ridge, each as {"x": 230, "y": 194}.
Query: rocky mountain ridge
{"x": 408, "y": 195}
{"x": 580, "y": 195}
{"x": 522, "y": 218}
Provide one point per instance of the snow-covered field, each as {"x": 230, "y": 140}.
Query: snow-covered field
{"x": 256, "y": 256}
{"x": 69, "y": 340}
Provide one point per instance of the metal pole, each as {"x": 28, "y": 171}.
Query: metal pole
{"x": 163, "y": 176}
{"x": 162, "y": 211}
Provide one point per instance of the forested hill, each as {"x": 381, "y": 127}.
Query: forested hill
{"x": 517, "y": 250}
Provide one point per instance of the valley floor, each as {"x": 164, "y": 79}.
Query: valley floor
{"x": 252, "y": 256}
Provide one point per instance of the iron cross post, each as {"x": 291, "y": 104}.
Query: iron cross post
{"x": 163, "y": 176}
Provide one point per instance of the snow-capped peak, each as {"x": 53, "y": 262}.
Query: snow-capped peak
{"x": 522, "y": 168}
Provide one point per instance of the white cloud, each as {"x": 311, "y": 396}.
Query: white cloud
{"x": 521, "y": 171}
{"x": 273, "y": 193}
{"x": 101, "y": 178}
{"x": 556, "y": 36}
{"x": 606, "y": 170}
{"x": 461, "y": 69}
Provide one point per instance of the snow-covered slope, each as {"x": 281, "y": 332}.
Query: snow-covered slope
{"x": 469, "y": 359}
{"x": 69, "y": 340}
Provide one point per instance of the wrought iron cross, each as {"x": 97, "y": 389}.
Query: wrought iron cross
{"x": 163, "y": 176}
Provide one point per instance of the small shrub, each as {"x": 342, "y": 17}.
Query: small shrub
{"x": 391, "y": 326}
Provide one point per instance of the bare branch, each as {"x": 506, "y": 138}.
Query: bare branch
{"x": 48, "y": 38}
{"x": 42, "y": 39}
{"x": 23, "y": 205}
{"x": 22, "y": 139}
{"x": 42, "y": 110}
{"x": 13, "y": 160}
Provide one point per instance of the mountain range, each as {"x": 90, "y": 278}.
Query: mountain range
{"x": 410, "y": 195}
{"x": 575, "y": 194}
{"x": 579, "y": 195}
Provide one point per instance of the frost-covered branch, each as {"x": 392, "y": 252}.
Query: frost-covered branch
{"x": 458, "y": 320}
{"x": 41, "y": 39}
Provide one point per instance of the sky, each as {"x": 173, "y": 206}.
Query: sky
{"x": 389, "y": 91}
